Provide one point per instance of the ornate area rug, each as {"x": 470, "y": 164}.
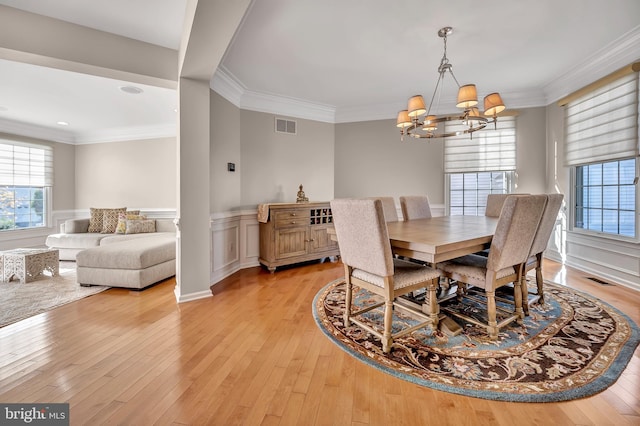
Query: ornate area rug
{"x": 20, "y": 301}
{"x": 571, "y": 347}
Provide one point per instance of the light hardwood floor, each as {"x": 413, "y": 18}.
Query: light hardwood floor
{"x": 252, "y": 354}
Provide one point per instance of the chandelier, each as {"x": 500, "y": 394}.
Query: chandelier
{"x": 418, "y": 122}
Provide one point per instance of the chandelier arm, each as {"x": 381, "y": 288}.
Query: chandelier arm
{"x": 440, "y": 78}
{"x": 454, "y": 76}
{"x": 482, "y": 122}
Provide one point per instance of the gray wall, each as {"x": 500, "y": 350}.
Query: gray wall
{"x": 226, "y": 192}
{"x": 531, "y": 158}
{"x": 273, "y": 165}
{"x": 135, "y": 174}
{"x": 372, "y": 161}
{"x": 64, "y": 177}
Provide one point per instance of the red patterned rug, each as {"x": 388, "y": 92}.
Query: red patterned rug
{"x": 571, "y": 347}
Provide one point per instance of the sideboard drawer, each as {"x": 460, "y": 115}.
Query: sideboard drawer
{"x": 285, "y": 218}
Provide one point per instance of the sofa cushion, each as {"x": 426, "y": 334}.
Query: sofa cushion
{"x": 79, "y": 241}
{"x": 76, "y": 226}
{"x": 137, "y": 253}
{"x": 118, "y": 238}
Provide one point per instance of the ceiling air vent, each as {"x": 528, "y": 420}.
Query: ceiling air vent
{"x": 285, "y": 126}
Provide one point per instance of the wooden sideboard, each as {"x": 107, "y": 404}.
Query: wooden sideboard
{"x": 296, "y": 232}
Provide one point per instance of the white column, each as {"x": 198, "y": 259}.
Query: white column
{"x": 194, "y": 248}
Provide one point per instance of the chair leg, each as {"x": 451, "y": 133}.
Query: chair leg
{"x": 519, "y": 293}
{"x": 461, "y": 290}
{"x": 524, "y": 291}
{"x": 434, "y": 308}
{"x": 539, "y": 280}
{"x": 492, "y": 327}
{"x": 388, "y": 318}
{"x": 347, "y": 303}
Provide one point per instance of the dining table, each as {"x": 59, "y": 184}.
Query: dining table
{"x": 438, "y": 239}
{"x": 441, "y": 238}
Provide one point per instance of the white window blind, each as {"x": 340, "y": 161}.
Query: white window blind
{"x": 603, "y": 125}
{"x": 25, "y": 164}
{"x": 489, "y": 150}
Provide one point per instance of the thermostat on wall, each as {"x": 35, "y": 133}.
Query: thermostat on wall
{"x": 231, "y": 167}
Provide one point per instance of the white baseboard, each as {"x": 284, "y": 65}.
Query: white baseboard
{"x": 191, "y": 296}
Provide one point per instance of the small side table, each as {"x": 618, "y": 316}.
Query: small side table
{"x": 26, "y": 264}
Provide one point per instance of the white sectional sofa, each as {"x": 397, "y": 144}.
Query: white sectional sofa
{"x": 117, "y": 260}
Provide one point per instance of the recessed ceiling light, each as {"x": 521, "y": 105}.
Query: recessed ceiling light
{"x": 132, "y": 90}
{"x": 63, "y": 123}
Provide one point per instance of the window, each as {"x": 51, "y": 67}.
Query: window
{"x": 479, "y": 165}
{"x": 605, "y": 197}
{"x": 601, "y": 147}
{"x": 468, "y": 191}
{"x": 26, "y": 176}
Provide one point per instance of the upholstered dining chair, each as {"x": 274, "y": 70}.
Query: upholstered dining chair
{"x": 540, "y": 241}
{"x": 510, "y": 247}
{"x": 415, "y": 207}
{"x": 494, "y": 204}
{"x": 365, "y": 251}
{"x": 493, "y": 209}
{"x": 389, "y": 207}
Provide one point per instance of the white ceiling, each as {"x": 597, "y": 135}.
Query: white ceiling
{"x": 340, "y": 60}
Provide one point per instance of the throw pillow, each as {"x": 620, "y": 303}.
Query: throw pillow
{"x": 95, "y": 221}
{"x": 139, "y": 226}
{"x": 121, "y": 228}
{"x": 110, "y": 220}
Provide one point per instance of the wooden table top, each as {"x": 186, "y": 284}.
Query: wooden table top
{"x": 441, "y": 238}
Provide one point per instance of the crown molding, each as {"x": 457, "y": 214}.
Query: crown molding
{"x": 29, "y": 130}
{"x": 229, "y": 87}
{"x": 612, "y": 57}
{"x": 123, "y": 134}
{"x": 80, "y": 138}
{"x": 291, "y": 107}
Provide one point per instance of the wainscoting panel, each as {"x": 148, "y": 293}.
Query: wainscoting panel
{"x": 251, "y": 248}
{"x": 225, "y": 245}
{"x": 235, "y": 243}
{"x": 605, "y": 258}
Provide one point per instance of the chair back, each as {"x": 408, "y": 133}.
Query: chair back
{"x": 389, "y": 207}
{"x": 415, "y": 207}
{"x": 362, "y": 234}
{"x": 547, "y": 223}
{"x": 515, "y": 231}
{"x": 494, "y": 204}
